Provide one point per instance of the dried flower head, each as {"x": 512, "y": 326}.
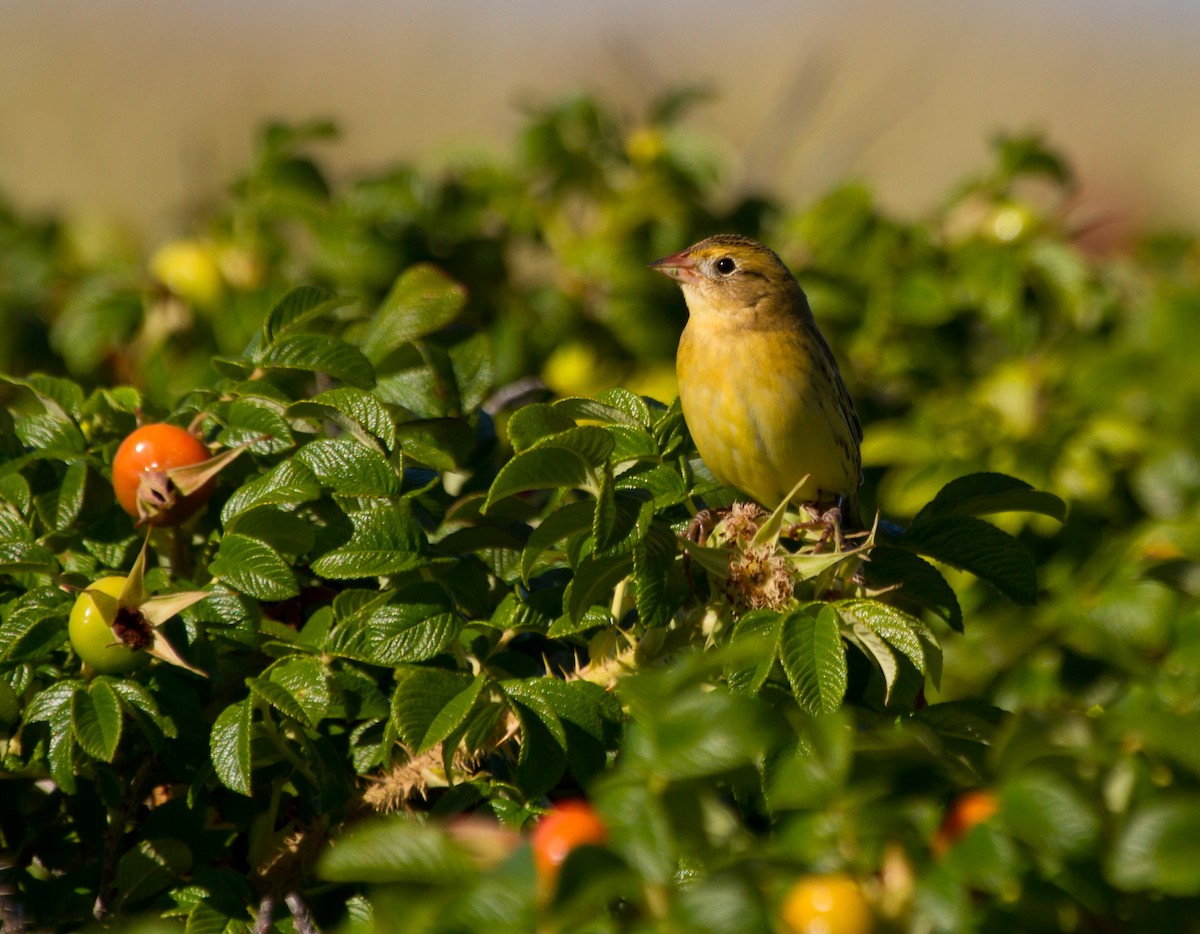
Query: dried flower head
{"x": 742, "y": 523}
{"x": 758, "y": 578}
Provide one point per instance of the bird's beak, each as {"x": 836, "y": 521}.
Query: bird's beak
{"x": 678, "y": 266}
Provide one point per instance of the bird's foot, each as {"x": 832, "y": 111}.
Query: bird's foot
{"x": 826, "y": 518}
{"x": 698, "y": 531}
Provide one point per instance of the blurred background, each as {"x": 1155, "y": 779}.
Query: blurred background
{"x": 142, "y": 110}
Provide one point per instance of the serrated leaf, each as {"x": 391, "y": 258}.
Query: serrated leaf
{"x": 296, "y": 308}
{"x": 229, "y": 746}
{"x": 583, "y": 409}
{"x": 319, "y": 353}
{"x": 97, "y": 721}
{"x": 422, "y": 300}
{"x": 307, "y": 681}
{"x": 49, "y": 437}
{"x": 532, "y": 695}
{"x": 421, "y": 694}
{"x": 814, "y": 657}
{"x": 880, "y": 652}
{"x": 919, "y": 582}
{"x": 386, "y": 540}
{"x": 593, "y": 583}
{"x": 531, "y": 423}
{"x": 14, "y": 489}
{"x": 905, "y": 633}
{"x": 541, "y": 468}
{"x": 441, "y": 443}
{"x": 983, "y": 550}
{"x": 359, "y": 412}
{"x": 69, "y": 499}
{"x": 253, "y": 567}
{"x": 759, "y": 628}
{"x": 279, "y": 697}
{"x": 594, "y": 445}
{"x": 288, "y": 533}
{"x": 396, "y": 850}
{"x": 347, "y": 467}
{"x": 62, "y": 398}
{"x": 632, "y": 444}
{"x": 136, "y": 696}
{"x": 417, "y": 624}
{"x": 474, "y": 371}
{"x": 257, "y": 425}
{"x": 651, "y": 567}
{"x": 982, "y": 494}
{"x": 452, "y": 715}
{"x": 288, "y": 483}
{"x": 565, "y": 521}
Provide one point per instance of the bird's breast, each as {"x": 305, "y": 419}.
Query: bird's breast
{"x": 756, "y": 410}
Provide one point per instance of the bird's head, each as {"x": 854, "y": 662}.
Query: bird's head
{"x": 731, "y": 275}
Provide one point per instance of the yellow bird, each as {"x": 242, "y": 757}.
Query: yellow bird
{"x": 760, "y": 389}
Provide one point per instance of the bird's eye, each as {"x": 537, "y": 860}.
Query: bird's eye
{"x": 725, "y": 265}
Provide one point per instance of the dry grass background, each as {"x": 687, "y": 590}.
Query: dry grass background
{"x": 138, "y": 109}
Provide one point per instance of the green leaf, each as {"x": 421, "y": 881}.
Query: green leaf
{"x": 982, "y": 549}
{"x": 416, "y": 624}
{"x": 814, "y": 657}
{"x": 1156, "y": 848}
{"x": 61, "y": 397}
{"x": 136, "y": 696}
{"x": 452, "y": 715}
{"x": 150, "y": 867}
{"x": 1049, "y": 814}
{"x": 541, "y": 468}
{"x": 347, "y": 467}
{"x": 256, "y": 424}
{"x": 97, "y": 721}
{"x": 760, "y": 628}
{"x": 10, "y": 705}
{"x": 69, "y": 501}
{"x": 651, "y": 569}
{"x": 422, "y": 300}
{"x": 593, "y": 583}
{"x": 421, "y": 695}
{"x": 533, "y": 422}
{"x": 297, "y": 308}
{"x": 288, "y": 533}
{"x": 386, "y": 540}
{"x": 26, "y": 557}
{"x": 359, "y": 412}
{"x": 253, "y": 567}
{"x": 905, "y": 633}
{"x": 577, "y": 714}
{"x": 595, "y": 445}
{"x": 918, "y": 580}
{"x": 318, "y": 353}
{"x": 50, "y": 437}
{"x": 396, "y": 850}
{"x": 288, "y": 483}
{"x": 705, "y": 732}
{"x": 306, "y": 682}
{"x": 441, "y": 443}
{"x": 565, "y": 521}
{"x": 624, "y": 408}
{"x": 229, "y": 746}
{"x": 981, "y": 494}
